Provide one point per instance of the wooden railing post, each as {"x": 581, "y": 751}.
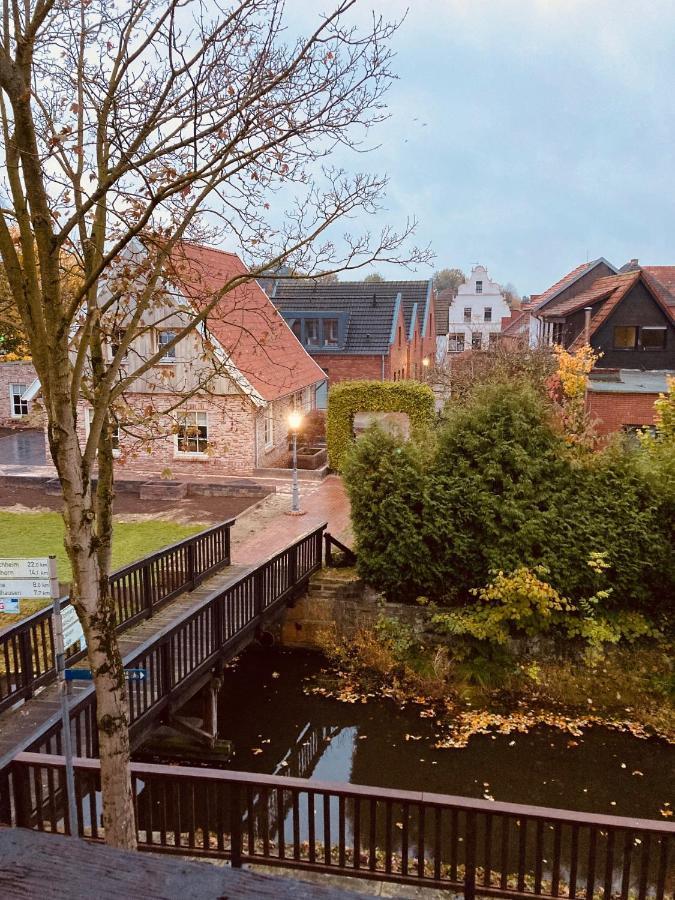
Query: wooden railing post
{"x": 22, "y": 804}
{"x": 26, "y": 656}
{"x": 235, "y": 827}
{"x": 191, "y": 565}
{"x": 166, "y": 671}
{"x": 328, "y": 549}
{"x": 292, "y": 566}
{"x": 146, "y": 577}
{"x": 226, "y": 529}
{"x": 470, "y": 858}
{"x": 258, "y": 591}
{"x": 5, "y": 800}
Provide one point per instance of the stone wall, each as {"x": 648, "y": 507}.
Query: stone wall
{"x": 339, "y": 603}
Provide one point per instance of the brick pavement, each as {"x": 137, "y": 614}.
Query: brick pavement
{"x": 326, "y": 503}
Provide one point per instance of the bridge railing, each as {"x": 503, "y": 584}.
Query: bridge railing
{"x": 138, "y": 590}
{"x": 478, "y": 847}
{"x": 182, "y": 652}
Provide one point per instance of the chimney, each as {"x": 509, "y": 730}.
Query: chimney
{"x": 587, "y": 324}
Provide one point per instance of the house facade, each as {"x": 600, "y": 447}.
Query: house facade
{"x": 217, "y": 402}
{"x": 362, "y": 330}
{"x": 474, "y": 315}
{"x": 628, "y": 317}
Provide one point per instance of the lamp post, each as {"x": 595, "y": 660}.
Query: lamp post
{"x": 294, "y": 423}
{"x": 426, "y": 362}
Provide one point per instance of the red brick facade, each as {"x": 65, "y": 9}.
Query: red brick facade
{"x": 613, "y": 411}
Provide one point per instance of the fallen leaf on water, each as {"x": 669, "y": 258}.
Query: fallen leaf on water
{"x": 256, "y": 750}
{"x": 637, "y": 772}
{"x": 399, "y": 824}
{"x": 666, "y": 813}
{"x": 276, "y": 675}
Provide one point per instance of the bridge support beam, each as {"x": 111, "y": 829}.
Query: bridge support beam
{"x": 207, "y": 735}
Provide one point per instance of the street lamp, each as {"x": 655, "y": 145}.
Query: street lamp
{"x": 426, "y": 362}
{"x": 294, "y": 423}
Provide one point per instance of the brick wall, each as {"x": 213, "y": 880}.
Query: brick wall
{"x": 231, "y": 435}
{"x": 611, "y": 411}
{"x": 349, "y": 367}
{"x": 13, "y": 373}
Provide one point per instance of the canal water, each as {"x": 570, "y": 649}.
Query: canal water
{"x": 278, "y": 728}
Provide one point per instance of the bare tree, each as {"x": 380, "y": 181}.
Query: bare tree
{"x": 127, "y": 130}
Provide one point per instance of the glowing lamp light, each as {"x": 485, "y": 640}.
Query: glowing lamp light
{"x": 294, "y": 420}
{"x": 425, "y": 362}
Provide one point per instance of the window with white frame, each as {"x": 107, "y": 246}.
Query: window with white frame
{"x": 479, "y": 287}
{"x": 487, "y": 314}
{"x": 193, "y": 432}
{"x": 268, "y": 427}
{"x": 456, "y": 343}
{"x": 467, "y": 313}
{"x": 163, "y": 338}
{"x": 17, "y": 406}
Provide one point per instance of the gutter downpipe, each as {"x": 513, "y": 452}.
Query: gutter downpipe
{"x": 382, "y": 357}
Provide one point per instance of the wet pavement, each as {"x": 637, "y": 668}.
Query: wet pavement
{"x": 23, "y": 448}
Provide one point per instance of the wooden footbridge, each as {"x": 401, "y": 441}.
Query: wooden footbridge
{"x": 478, "y": 848}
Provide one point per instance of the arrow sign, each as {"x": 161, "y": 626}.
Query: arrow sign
{"x": 86, "y": 674}
{"x": 135, "y": 674}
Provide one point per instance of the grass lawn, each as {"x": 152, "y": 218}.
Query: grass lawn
{"x": 41, "y": 534}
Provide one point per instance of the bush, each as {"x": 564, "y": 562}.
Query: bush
{"x": 503, "y": 490}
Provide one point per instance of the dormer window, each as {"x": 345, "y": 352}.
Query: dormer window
{"x": 331, "y": 337}
{"x": 479, "y": 287}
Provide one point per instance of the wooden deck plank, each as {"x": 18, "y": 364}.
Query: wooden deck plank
{"x": 52, "y": 867}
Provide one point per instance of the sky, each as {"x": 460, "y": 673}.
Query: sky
{"x": 530, "y": 135}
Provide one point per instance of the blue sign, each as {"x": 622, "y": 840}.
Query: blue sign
{"x": 135, "y": 674}
{"x": 9, "y": 605}
{"x": 86, "y": 674}
{"x": 79, "y": 675}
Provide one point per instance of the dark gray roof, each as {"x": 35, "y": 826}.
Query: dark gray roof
{"x": 371, "y": 307}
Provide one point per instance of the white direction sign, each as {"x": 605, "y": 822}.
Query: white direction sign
{"x": 72, "y": 629}
{"x": 25, "y": 587}
{"x": 24, "y": 568}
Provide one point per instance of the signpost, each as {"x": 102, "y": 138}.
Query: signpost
{"x": 32, "y": 578}
{"x": 88, "y": 675}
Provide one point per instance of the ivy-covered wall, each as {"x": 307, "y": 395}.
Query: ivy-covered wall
{"x": 351, "y": 397}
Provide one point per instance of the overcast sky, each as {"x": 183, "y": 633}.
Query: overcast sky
{"x": 531, "y": 135}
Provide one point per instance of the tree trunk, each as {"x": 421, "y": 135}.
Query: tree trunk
{"x": 91, "y": 598}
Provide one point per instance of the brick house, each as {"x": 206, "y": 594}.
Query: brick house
{"x": 242, "y": 374}
{"x": 354, "y": 329}
{"x": 628, "y": 316}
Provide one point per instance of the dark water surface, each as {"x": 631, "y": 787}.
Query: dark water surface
{"x": 263, "y": 707}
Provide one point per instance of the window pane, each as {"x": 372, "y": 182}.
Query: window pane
{"x": 455, "y": 343}
{"x": 479, "y": 287}
{"x": 653, "y": 338}
{"x": 487, "y": 314}
{"x": 19, "y": 407}
{"x": 164, "y": 338}
{"x": 312, "y": 331}
{"x": 467, "y": 313}
{"x": 476, "y": 341}
{"x": 330, "y": 332}
{"x": 296, "y": 328}
{"x": 193, "y": 433}
{"x": 625, "y": 337}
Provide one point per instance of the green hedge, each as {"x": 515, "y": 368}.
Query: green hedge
{"x": 498, "y": 489}
{"x": 350, "y": 397}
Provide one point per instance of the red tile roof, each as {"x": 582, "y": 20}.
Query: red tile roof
{"x": 665, "y": 275}
{"x": 517, "y": 322}
{"x": 540, "y": 299}
{"x": 245, "y": 322}
{"x": 599, "y": 290}
{"x": 609, "y": 292}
